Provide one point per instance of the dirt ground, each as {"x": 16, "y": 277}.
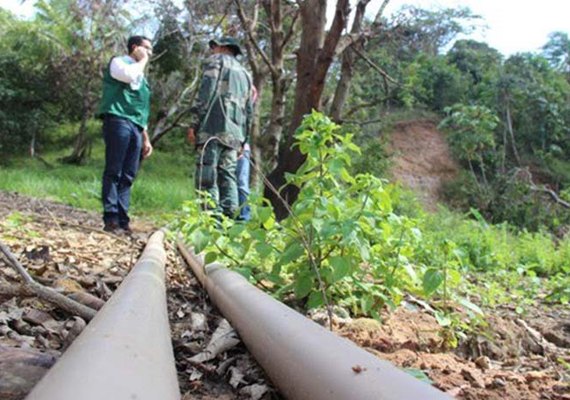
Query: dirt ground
{"x": 421, "y": 159}
{"x": 510, "y": 359}
{"x": 65, "y": 248}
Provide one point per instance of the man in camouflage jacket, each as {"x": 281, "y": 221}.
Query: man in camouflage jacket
{"x": 221, "y": 119}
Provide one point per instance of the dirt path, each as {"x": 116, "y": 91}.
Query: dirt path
{"x": 421, "y": 159}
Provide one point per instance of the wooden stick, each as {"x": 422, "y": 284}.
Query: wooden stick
{"x": 45, "y": 293}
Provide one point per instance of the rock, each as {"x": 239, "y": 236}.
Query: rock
{"x": 559, "y": 335}
{"x": 497, "y": 384}
{"x": 483, "y": 362}
{"x": 474, "y": 377}
{"x": 536, "y": 376}
{"x": 20, "y": 370}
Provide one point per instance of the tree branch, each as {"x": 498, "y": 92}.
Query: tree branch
{"x": 45, "y": 293}
{"x": 291, "y": 30}
{"x": 247, "y": 26}
{"x": 374, "y": 66}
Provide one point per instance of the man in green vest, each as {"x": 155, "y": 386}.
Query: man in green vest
{"x": 124, "y": 108}
{"x": 221, "y": 119}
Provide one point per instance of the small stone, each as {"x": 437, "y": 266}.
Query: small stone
{"x": 483, "y": 362}
{"x": 535, "y": 376}
{"x": 474, "y": 377}
{"x": 497, "y": 384}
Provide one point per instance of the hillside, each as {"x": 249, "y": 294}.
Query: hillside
{"x": 422, "y": 159}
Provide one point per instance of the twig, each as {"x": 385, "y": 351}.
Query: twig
{"x": 374, "y": 66}
{"x": 45, "y": 293}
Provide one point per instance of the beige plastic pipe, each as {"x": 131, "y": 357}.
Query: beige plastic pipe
{"x": 125, "y": 352}
{"x": 303, "y": 359}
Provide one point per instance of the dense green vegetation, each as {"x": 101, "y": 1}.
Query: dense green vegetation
{"x": 347, "y": 243}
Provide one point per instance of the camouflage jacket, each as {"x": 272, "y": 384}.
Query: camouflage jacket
{"x": 224, "y": 104}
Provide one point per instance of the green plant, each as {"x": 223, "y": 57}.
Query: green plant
{"x": 342, "y": 243}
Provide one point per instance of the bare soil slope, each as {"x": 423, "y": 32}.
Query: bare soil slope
{"x": 422, "y": 159}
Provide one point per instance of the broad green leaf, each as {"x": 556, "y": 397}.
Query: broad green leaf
{"x": 433, "y": 278}
{"x": 236, "y": 230}
{"x": 409, "y": 268}
{"x": 442, "y": 319}
{"x": 418, "y": 374}
{"x": 315, "y": 300}
{"x": 245, "y": 272}
{"x": 341, "y": 267}
{"x": 293, "y": 252}
{"x": 454, "y": 277}
{"x": 366, "y": 303}
{"x": 264, "y": 250}
{"x": 303, "y": 285}
{"x": 264, "y": 213}
{"x": 210, "y": 257}
{"x": 200, "y": 240}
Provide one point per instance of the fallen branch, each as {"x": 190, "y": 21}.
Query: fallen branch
{"x": 552, "y": 194}
{"x": 45, "y": 293}
{"x": 543, "y": 188}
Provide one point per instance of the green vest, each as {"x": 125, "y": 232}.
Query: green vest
{"x": 121, "y": 100}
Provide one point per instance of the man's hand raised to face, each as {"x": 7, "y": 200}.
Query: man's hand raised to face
{"x": 191, "y": 136}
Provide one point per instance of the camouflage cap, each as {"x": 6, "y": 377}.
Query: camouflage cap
{"x": 227, "y": 42}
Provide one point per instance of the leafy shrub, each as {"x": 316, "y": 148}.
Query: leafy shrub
{"x": 343, "y": 243}
{"x": 504, "y": 199}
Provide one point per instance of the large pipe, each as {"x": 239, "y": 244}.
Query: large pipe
{"x": 303, "y": 359}
{"x": 125, "y": 352}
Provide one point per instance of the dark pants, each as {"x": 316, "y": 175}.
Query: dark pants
{"x": 242, "y": 174}
{"x": 123, "y": 143}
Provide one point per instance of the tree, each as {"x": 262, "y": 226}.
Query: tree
{"x": 314, "y": 57}
{"x": 471, "y": 134}
{"x": 27, "y": 105}
{"x": 557, "y": 52}
{"x": 86, "y": 35}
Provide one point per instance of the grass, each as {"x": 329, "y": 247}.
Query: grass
{"x": 163, "y": 184}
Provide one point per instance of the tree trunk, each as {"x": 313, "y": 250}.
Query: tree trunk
{"x": 278, "y": 81}
{"x": 314, "y": 58}
{"x": 511, "y": 131}
{"x": 82, "y": 147}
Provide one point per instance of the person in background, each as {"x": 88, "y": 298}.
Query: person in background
{"x": 220, "y": 123}
{"x": 243, "y": 173}
{"x": 124, "y": 108}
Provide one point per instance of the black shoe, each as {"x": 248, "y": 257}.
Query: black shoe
{"x": 126, "y": 228}
{"x": 111, "y": 226}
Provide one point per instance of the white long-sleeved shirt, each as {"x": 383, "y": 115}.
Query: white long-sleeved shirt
{"x": 126, "y": 69}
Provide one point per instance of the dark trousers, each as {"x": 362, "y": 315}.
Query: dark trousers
{"x": 123, "y": 143}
